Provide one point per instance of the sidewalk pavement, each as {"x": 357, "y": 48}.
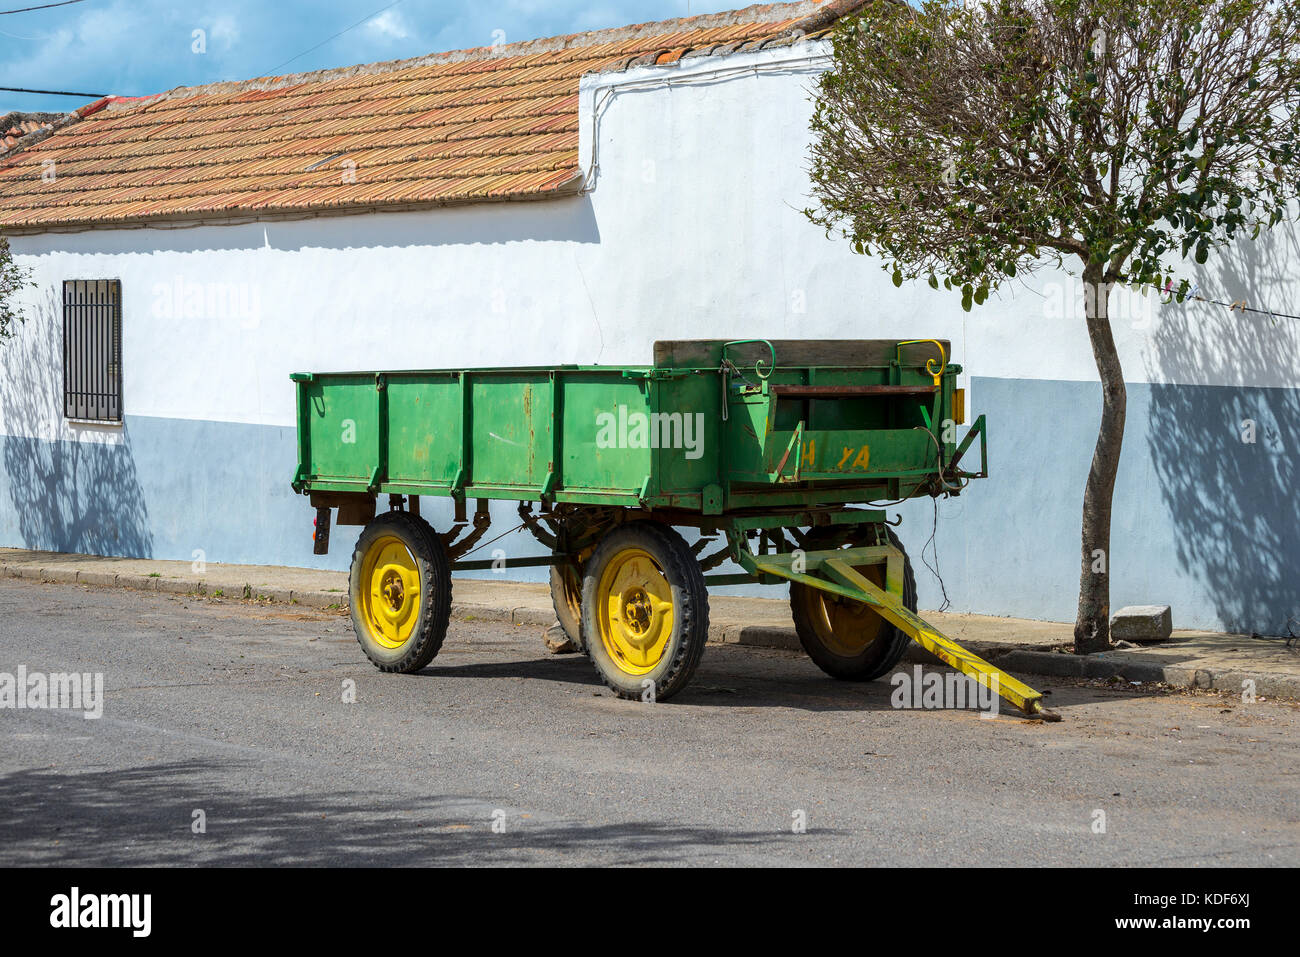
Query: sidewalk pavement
{"x": 1191, "y": 659}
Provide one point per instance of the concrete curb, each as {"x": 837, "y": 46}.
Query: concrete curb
{"x": 176, "y": 586}
{"x": 1015, "y": 660}
{"x": 523, "y": 615}
{"x": 758, "y": 636}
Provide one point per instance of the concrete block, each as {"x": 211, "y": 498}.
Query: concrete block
{"x": 97, "y": 578}
{"x": 1277, "y": 686}
{"x": 480, "y": 612}
{"x": 1180, "y": 677}
{"x": 1142, "y": 623}
{"x": 1147, "y": 671}
{"x": 179, "y": 586}
{"x": 316, "y": 598}
{"x": 532, "y": 616}
{"x": 763, "y": 636}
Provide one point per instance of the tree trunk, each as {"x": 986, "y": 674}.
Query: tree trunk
{"x": 1092, "y": 626}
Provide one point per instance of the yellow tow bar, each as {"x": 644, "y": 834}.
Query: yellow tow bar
{"x": 843, "y": 579}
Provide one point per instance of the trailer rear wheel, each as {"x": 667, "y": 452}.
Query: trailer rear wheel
{"x": 645, "y": 611}
{"x": 847, "y": 639}
{"x": 566, "y": 596}
{"x": 400, "y": 592}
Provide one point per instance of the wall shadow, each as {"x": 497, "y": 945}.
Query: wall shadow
{"x": 1234, "y": 503}
{"x": 69, "y": 489}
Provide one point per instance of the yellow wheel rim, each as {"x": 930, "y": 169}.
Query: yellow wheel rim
{"x": 390, "y": 592}
{"x": 845, "y": 627}
{"x": 634, "y": 607}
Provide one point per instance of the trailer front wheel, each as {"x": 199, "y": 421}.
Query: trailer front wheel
{"x": 847, "y": 639}
{"x": 400, "y": 592}
{"x": 645, "y": 611}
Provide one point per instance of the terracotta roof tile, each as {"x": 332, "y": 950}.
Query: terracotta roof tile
{"x": 463, "y": 127}
{"x": 14, "y": 126}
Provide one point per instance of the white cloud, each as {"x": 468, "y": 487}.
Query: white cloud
{"x": 224, "y": 32}
{"x": 389, "y": 25}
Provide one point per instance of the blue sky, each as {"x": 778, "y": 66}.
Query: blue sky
{"x": 136, "y": 47}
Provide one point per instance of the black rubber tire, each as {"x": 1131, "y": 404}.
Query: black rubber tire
{"x": 430, "y": 554}
{"x": 690, "y": 596}
{"x": 570, "y": 619}
{"x": 881, "y": 655}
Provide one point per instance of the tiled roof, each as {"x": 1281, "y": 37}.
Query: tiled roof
{"x": 14, "y": 126}
{"x": 470, "y": 126}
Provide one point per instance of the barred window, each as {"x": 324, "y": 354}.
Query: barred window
{"x": 92, "y": 349}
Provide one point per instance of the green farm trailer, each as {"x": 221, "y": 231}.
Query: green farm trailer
{"x": 779, "y": 454}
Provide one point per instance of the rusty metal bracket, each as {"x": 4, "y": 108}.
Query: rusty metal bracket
{"x": 531, "y": 522}
{"x": 482, "y": 521}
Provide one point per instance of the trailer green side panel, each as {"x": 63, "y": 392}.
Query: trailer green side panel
{"x": 425, "y": 435}
{"x": 342, "y": 419}
{"x": 511, "y": 442}
{"x": 603, "y": 450}
{"x": 689, "y": 457}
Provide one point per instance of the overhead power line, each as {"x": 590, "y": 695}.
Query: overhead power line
{"x": 18, "y": 89}
{"x": 43, "y": 6}
{"x": 1240, "y": 305}
{"x": 365, "y": 19}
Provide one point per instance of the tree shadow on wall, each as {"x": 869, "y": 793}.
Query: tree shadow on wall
{"x": 71, "y": 489}
{"x": 1234, "y": 503}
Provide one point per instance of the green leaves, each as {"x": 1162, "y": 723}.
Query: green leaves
{"x": 13, "y": 279}
{"x": 967, "y": 146}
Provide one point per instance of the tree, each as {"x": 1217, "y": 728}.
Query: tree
{"x": 12, "y": 279}
{"x": 968, "y": 144}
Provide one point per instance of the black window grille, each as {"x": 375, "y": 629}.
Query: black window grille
{"x": 92, "y": 349}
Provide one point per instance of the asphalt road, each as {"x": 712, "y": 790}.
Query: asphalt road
{"x": 237, "y": 711}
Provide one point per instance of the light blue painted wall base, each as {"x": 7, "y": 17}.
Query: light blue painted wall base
{"x": 1203, "y": 521}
